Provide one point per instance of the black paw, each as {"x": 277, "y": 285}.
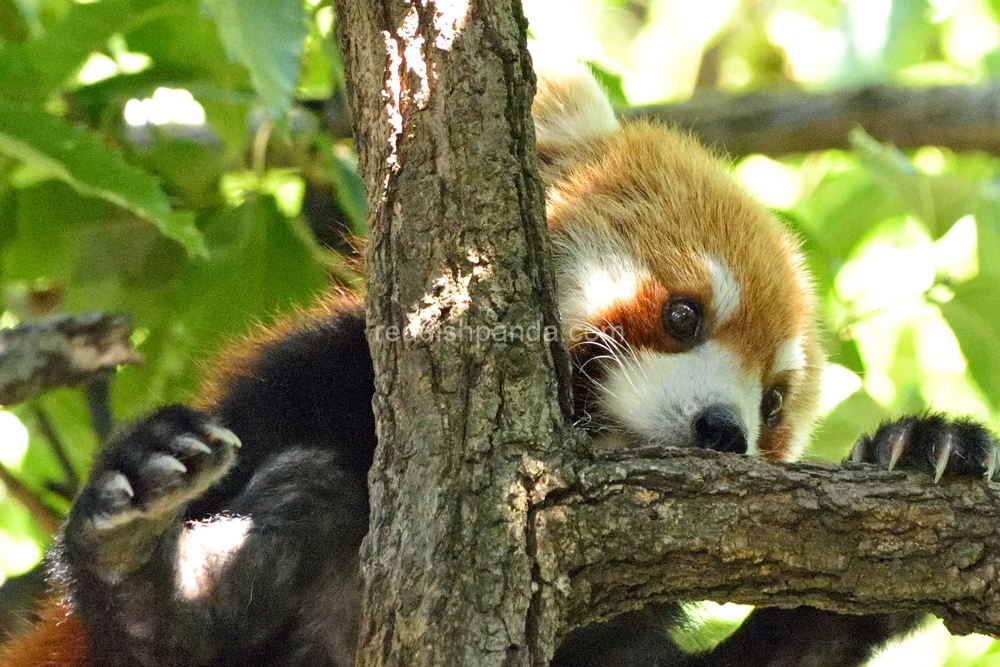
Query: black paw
{"x": 155, "y": 467}
{"x": 932, "y": 444}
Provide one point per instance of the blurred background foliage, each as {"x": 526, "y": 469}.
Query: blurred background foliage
{"x": 188, "y": 162}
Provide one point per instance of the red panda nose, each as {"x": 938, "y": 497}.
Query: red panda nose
{"x": 719, "y": 427}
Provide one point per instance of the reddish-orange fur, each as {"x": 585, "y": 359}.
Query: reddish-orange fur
{"x": 638, "y": 320}
{"x": 230, "y": 361}
{"x": 56, "y": 641}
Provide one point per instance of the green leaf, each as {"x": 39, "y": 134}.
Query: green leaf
{"x": 911, "y": 35}
{"x": 67, "y": 45}
{"x": 67, "y": 413}
{"x": 937, "y": 200}
{"x": 836, "y": 433}
{"x": 348, "y": 188}
{"x": 267, "y": 37}
{"x": 228, "y": 121}
{"x": 34, "y": 69}
{"x": 973, "y": 315}
{"x": 13, "y": 27}
{"x": 841, "y": 210}
{"x": 257, "y": 267}
{"x": 81, "y": 159}
{"x": 8, "y": 218}
{"x": 988, "y": 236}
{"x": 188, "y": 169}
{"x": 49, "y": 220}
{"x": 319, "y": 60}
{"x": 184, "y": 46}
{"x": 611, "y": 83}
{"x": 24, "y": 542}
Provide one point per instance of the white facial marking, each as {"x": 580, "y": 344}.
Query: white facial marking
{"x": 791, "y": 356}
{"x": 592, "y": 273}
{"x": 725, "y": 289}
{"x": 659, "y": 395}
{"x": 798, "y": 441}
{"x": 613, "y": 280}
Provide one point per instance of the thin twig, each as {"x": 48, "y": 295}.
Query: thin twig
{"x": 70, "y": 483}
{"x": 42, "y": 515}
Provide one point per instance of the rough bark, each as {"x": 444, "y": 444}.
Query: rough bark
{"x": 457, "y": 259}
{"x": 62, "y": 350}
{"x": 616, "y": 532}
{"x": 776, "y": 123}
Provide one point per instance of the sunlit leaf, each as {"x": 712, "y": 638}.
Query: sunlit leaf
{"x": 909, "y": 36}
{"x": 79, "y": 158}
{"x": 319, "y": 67}
{"x": 267, "y": 38}
{"x": 937, "y": 200}
{"x": 833, "y": 438}
{"x": 84, "y": 28}
{"x": 611, "y": 83}
{"x": 33, "y": 69}
{"x": 973, "y": 315}
{"x": 841, "y": 210}
{"x": 258, "y": 267}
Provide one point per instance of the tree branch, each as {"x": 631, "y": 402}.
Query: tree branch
{"x": 62, "y": 350}
{"x": 780, "y": 122}
{"x": 624, "y": 530}
{"x": 47, "y": 519}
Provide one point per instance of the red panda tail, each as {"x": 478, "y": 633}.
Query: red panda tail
{"x": 57, "y": 640}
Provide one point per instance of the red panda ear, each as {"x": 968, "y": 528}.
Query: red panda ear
{"x": 571, "y": 111}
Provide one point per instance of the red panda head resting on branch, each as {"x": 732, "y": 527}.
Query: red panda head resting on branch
{"x": 686, "y": 305}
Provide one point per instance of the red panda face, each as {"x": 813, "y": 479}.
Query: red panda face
{"x": 685, "y": 304}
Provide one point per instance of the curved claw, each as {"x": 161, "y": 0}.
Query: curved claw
{"x": 223, "y": 435}
{"x": 899, "y": 440}
{"x": 117, "y": 485}
{"x": 191, "y": 446}
{"x": 116, "y": 496}
{"x": 991, "y": 464}
{"x": 166, "y": 463}
{"x": 943, "y": 456}
{"x": 859, "y": 452}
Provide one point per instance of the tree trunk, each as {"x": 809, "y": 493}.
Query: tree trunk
{"x": 461, "y": 327}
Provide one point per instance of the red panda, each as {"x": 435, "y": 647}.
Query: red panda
{"x": 667, "y": 267}
{"x": 228, "y": 533}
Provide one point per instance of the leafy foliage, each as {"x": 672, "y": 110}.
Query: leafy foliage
{"x": 267, "y": 38}
{"x": 81, "y": 159}
{"x": 121, "y": 113}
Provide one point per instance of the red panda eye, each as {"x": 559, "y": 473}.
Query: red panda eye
{"x": 770, "y": 407}
{"x": 682, "y": 319}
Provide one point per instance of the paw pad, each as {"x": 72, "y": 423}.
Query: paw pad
{"x": 157, "y": 466}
